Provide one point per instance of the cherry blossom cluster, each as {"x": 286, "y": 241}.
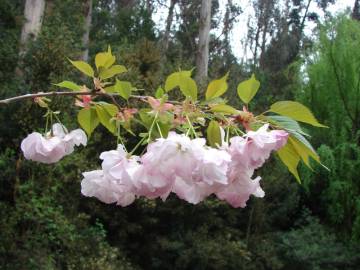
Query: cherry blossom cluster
{"x": 185, "y": 164}
{"x": 186, "y": 167}
{"x": 52, "y": 147}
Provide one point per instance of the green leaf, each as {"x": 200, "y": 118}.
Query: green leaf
{"x": 182, "y": 80}
{"x": 146, "y": 118}
{"x": 69, "y": 85}
{"x": 189, "y": 88}
{"x": 296, "y": 111}
{"x": 106, "y": 112}
{"x": 303, "y": 148}
{"x": 159, "y": 92}
{"x": 286, "y": 123}
{"x": 173, "y": 80}
{"x": 107, "y": 73}
{"x": 217, "y": 87}
{"x": 225, "y": 109}
{"x": 214, "y": 134}
{"x": 104, "y": 59}
{"x": 83, "y": 67}
{"x": 290, "y": 158}
{"x": 88, "y": 120}
{"x": 248, "y": 89}
{"x": 121, "y": 87}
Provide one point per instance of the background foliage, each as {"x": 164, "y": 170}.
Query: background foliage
{"x": 46, "y": 224}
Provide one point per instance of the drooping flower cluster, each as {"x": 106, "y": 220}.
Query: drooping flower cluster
{"x": 186, "y": 167}
{"x": 52, "y": 147}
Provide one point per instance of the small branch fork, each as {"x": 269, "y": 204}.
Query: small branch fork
{"x": 65, "y": 93}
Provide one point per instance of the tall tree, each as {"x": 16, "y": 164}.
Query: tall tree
{"x": 33, "y": 13}
{"x": 87, "y": 26}
{"x": 202, "y": 58}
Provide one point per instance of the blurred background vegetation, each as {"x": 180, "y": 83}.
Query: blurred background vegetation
{"x": 45, "y": 223}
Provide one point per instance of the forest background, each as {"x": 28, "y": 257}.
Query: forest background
{"x": 45, "y": 222}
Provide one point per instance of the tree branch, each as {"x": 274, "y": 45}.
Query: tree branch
{"x": 72, "y": 93}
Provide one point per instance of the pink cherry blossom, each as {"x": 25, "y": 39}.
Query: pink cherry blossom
{"x": 45, "y": 150}
{"x": 248, "y": 153}
{"x": 119, "y": 166}
{"x": 114, "y": 183}
{"x": 54, "y": 146}
{"x": 186, "y": 167}
{"x": 191, "y": 191}
{"x": 214, "y": 166}
{"x": 152, "y": 184}
{"x": 209, "y": 175}
{"x": 242, "y": 186}
{"x": 175, "y": 155}
{"x": 255, "y": 147}
{"x": 107, "y": 190}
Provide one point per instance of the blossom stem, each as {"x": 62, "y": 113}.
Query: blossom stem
{"x": 51, "y": 123}
{"x": 152, "y": 126}
{"x": 119, "y": 138}
{"x": 191, "y": 127}
{"x": 238, "y": 131}
{"x": 227, "y": 134}
{"x": 159, "y": 129}
{"x": 57, "y": 119}
{"x": 137, "y": 145}
{"x": 47, "y": 124}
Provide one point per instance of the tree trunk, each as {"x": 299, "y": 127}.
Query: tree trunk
{"x": 85, "y": 39}
{"x": 149, "y": 6}
{"x": 356, "y": 11}
{"x": 165, "y": 40}
{"x": 169, "y": 20}
{"x": 202, "y": 59}
{"x": 33, "y": 13}
{"x": 227, "y": 24}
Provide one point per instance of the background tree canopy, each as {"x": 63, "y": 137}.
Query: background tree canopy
{"x": 45, "y": 223}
